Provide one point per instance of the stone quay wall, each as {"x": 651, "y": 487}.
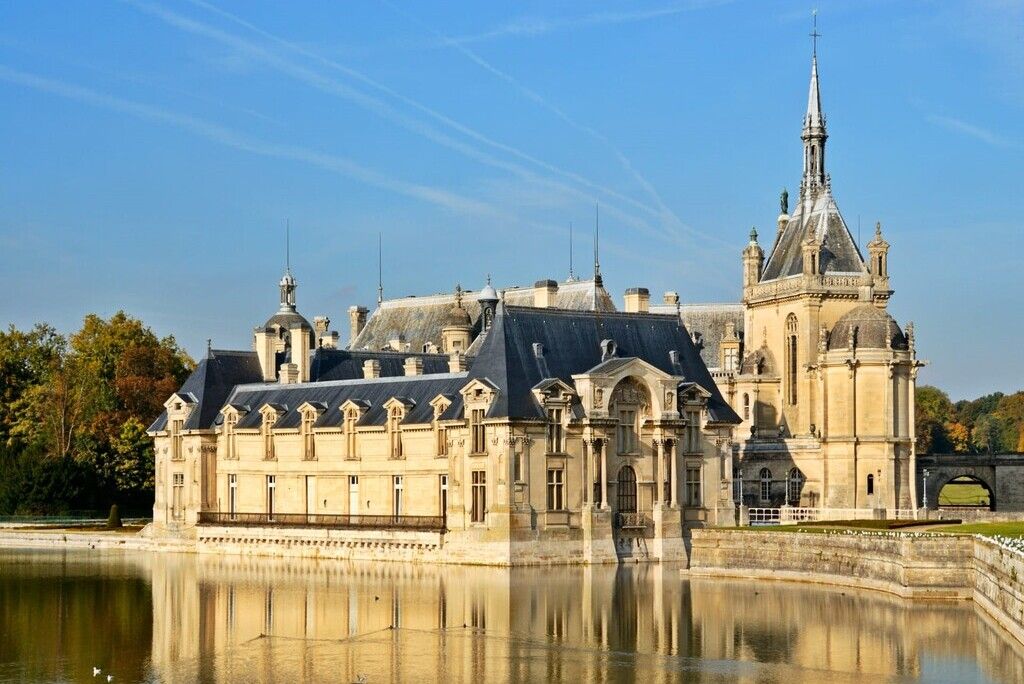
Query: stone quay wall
{"x": 912, "y": 565}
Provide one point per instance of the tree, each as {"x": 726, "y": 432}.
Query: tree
{"x": 54, "y": 412}
{"x": 1011, "y": 415}
{"x": 933, "y": 410}
{"x": 958, "y": 436}
{"x": 25, "y": 358}
{"x": 986, "y": 437}
{"x": 132, "y": 463}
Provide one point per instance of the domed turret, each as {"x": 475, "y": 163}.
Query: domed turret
{"x": 868, "y": 327}
{"x": 488, "y": 299}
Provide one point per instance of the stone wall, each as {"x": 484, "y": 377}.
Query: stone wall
{"x": 907, "y": 564}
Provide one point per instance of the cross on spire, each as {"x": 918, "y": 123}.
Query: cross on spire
{"x": 814, "y": 32}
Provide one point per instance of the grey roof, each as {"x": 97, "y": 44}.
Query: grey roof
{"x": 344, "y": 364}
{"x": 571, "y": 345}
{"x": 420, "y": 319}
{"x": 870, "y": 327}
{"x": 710, "y": 321}
{"x": 211, "y": 383}
{"x": 415, "y": 392}
{"x": 839, "y": 252}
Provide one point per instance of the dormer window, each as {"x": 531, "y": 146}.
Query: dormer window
{"x": 730, "y": 361}
{"x": 230, "y": 438}
{"x": 349, "y": 428}
{"x": 394, "y": 428}
{"x": 267, "y": 433}
{"x": 440, "y": 404}
{"x": 177, "y": 452}
{"x": 555, "y": 431}
{"x": 476, "y": 429}
{"x": 308, "y": 442}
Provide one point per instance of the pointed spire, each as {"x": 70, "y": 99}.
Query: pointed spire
{"x": 380, "y": 269}
{"x": 287, "y": 284}
{"x": 814, "y": 116}
{"x": 597, "y": 248}
{"x": 813, "y": 134}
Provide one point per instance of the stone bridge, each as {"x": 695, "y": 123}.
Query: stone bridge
{"x": 1001, "y": 474}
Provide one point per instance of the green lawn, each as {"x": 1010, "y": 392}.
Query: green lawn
{"x": 1004, "y": 529}
{"x": 957, "y": 494}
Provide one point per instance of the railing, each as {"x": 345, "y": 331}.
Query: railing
{"x": 631, "y": 521}
{"x": 341, "y": 521}
{"x": 788, "y": 515}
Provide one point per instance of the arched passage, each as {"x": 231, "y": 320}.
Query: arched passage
{"x": 966, "y": 491}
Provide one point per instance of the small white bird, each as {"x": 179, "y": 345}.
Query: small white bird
{"x": 96, "y": 672}
{"x": 110, "y": 678}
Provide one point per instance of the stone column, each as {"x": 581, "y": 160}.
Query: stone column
{"x": 659, "y": 470}
{"x": 673, "y": 461}
{"x": 584, "y": 481}
{"x": 603, "y": 449}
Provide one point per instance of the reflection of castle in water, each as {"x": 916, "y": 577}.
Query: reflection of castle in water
{"x": 227, "y": 619}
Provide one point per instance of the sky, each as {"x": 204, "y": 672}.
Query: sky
{"x": 153, "y": 152}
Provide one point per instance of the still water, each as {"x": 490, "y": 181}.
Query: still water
{"x": 179, "y": 618}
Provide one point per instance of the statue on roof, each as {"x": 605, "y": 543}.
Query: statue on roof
{"x": 784, "y": 202}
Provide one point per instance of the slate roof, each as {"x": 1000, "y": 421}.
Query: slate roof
{"x": 416, "y": 392}
{"x": 420, "y": 319}
{"x": 211, "y": 383}
{"x": 870, "y": 326}
{"x": 344, "y": 364}
{"x": 839, "y": 251}
{"x": 709, "y": 320}
{"x": 571, "y": 345}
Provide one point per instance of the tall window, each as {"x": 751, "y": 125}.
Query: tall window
{"x": 556, "y": 433}
{"x": 232, "y": 494}
{"x": 177, "y": 495}
{"x": 871, "y": 485}
{"x": 271, "y": 495}
{"x": 353, "y": 495}
{"x": 791, "y": 359}
{"x": 177, "y": 453}
{"x": 230, "y": 439}
{"x": 693, "y": 432}
{"x": 443, "y": 494}
{"x": 440, "y": 432}
{"x": 693, "y": 485}
{"x": 399, "y": 485}
{"x": 479, "y": 502}
{"x": 268, "y": 436}
{"x": 626, "y": 500}
{"x": 476, "y": 426}
{"x": 794, "y": 486}
{"x": 627, "y": 429}
{"x": 737, "y": 485}
{"x": 746, "y": 407}
{"x": 308, "y": 443}
{"x": 395, "y": 431}
{"x": 731, "y": 361}
{"x": 556, "y": 489}
{"x": 766, "y": 484}
{"x": 351, "y": 416}
{"x": 667, "y": 495}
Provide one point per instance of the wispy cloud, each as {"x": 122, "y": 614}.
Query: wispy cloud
{"x": 972, "y": 130}
{"x": 536, "y": 26}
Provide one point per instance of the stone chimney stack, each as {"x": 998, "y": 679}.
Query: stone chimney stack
{"x": 289, "y": 373}
{"x": 544, "y": 292}
{"x": 414, "y": 366}
{"x": 356, "y": 322}
{"x": 671, "y": 298}
{"x": 371, "y": 369}
{"x": 457, "y": 363}
{"x": 638, "y": 300}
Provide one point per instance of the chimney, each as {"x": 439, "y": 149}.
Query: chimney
{"x": 457, "y": 363}
{"x": 414, "y": 366}
{"x": 320, "y": 325}
{"x": 671, "y": 298}
{"x": 544, "y": 292}
{"x": 329, "y": 340}
{"x": 638, "y": 300}
{"x": 397, "y": 342}
{"x": 302, "y": 342}
{"x": 356, "y": 322}
{"x": 289, "y": 373}
{"x": 371, "y": 368}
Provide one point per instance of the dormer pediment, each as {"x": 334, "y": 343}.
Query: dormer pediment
{"x": 553, "y": 390}
{"x": 314, "y": 408}
{"x": 478, "y": 389}
{"x": 181, "y": 401}
{"x": 692, "y": 392}
{"x": 405, "y": 403}
{"x": 272, "y": 412}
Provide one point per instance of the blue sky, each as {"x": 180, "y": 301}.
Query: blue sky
{"x": 154, "y": 149}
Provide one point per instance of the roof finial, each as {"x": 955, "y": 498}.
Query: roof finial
{"x": 597, "y": 245}
{"x": 814, "y": 33}
{"x": 380, "y": 268}
{"x": 572, "y": 276}
{"x": 288, "y": 245}
{"x": 209, "y": 347}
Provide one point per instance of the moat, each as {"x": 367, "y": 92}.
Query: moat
{"x": 185, "y": 618}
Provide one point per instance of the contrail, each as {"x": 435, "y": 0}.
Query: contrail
{"x": 664, "y": 211}
{"x": 434, "y": 114}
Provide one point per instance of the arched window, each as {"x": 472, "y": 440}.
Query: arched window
{"x": 766, "y": 484}
{"x": 871, "y": 485}
{"x": 627, "y": 490}
{"x": 746, "y": 407}
{"x": 791, "y": 359}
{"x": 794, "y": 486}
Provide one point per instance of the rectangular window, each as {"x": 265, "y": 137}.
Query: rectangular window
{"x": 177, "y": 495}
{"x": 350, "y": 434}
{"x": 479, "y": 506}
{"x": 556, "y": 489}
{"x": 353, "y": 495}
{"x": 737, "y": 485}
{"x": 232, "y": 494}
{"x": 731, "y": 359}
{"x": 627, "y": 437}
{"x": 693, "y": 485}
{"x": 693, "y": 432}
{"x": 177, "y": 453}
{"x": 308, "y": 442}
{"x": 271, "y": 495}
{"x": 476, "y": 420}
{"x": 556, "y": 433}
{"x": 397, "y": 483}
{"x": 442, "y": 440}
{"x": 443, "y": 494}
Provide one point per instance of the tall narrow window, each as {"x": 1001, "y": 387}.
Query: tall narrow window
{"x": 627, "y": 432}
{"x": 556, "y": 489}
{"x": 737, "y": 485}
{"x": 351, "y": 416}
{"x": 693, "y": 444}
{"x": 230, "y": 443}
{"x": 308, "y": 443}
{"x": 871, "y": 485}
{"x": 395, "y": 431}
{"x": 232, "y": 494}
{"x": 794, "y": 486}
{"x": 398, "y": 483}
{"x": 766, "y": 484}
{"x": 746, "y": 407}
{"x": 443, "y": 495}
{"x": 693, "y": 485}
{"x": 177, "y": 495}
{"x": 177, "y": 453}
{"x": 479, "y": 503}
{"x": 791, "y": 359}
{"x": 440, "y": 431}
{"x": 353, "y": 495}
{"x": 271, "y": 495}
{"x": 267, "y": 432}
{"x": 556, "y": 434}
{"x": 476, "y": 422}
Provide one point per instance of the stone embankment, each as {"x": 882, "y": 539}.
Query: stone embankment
{"x": 913, "y": 565}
